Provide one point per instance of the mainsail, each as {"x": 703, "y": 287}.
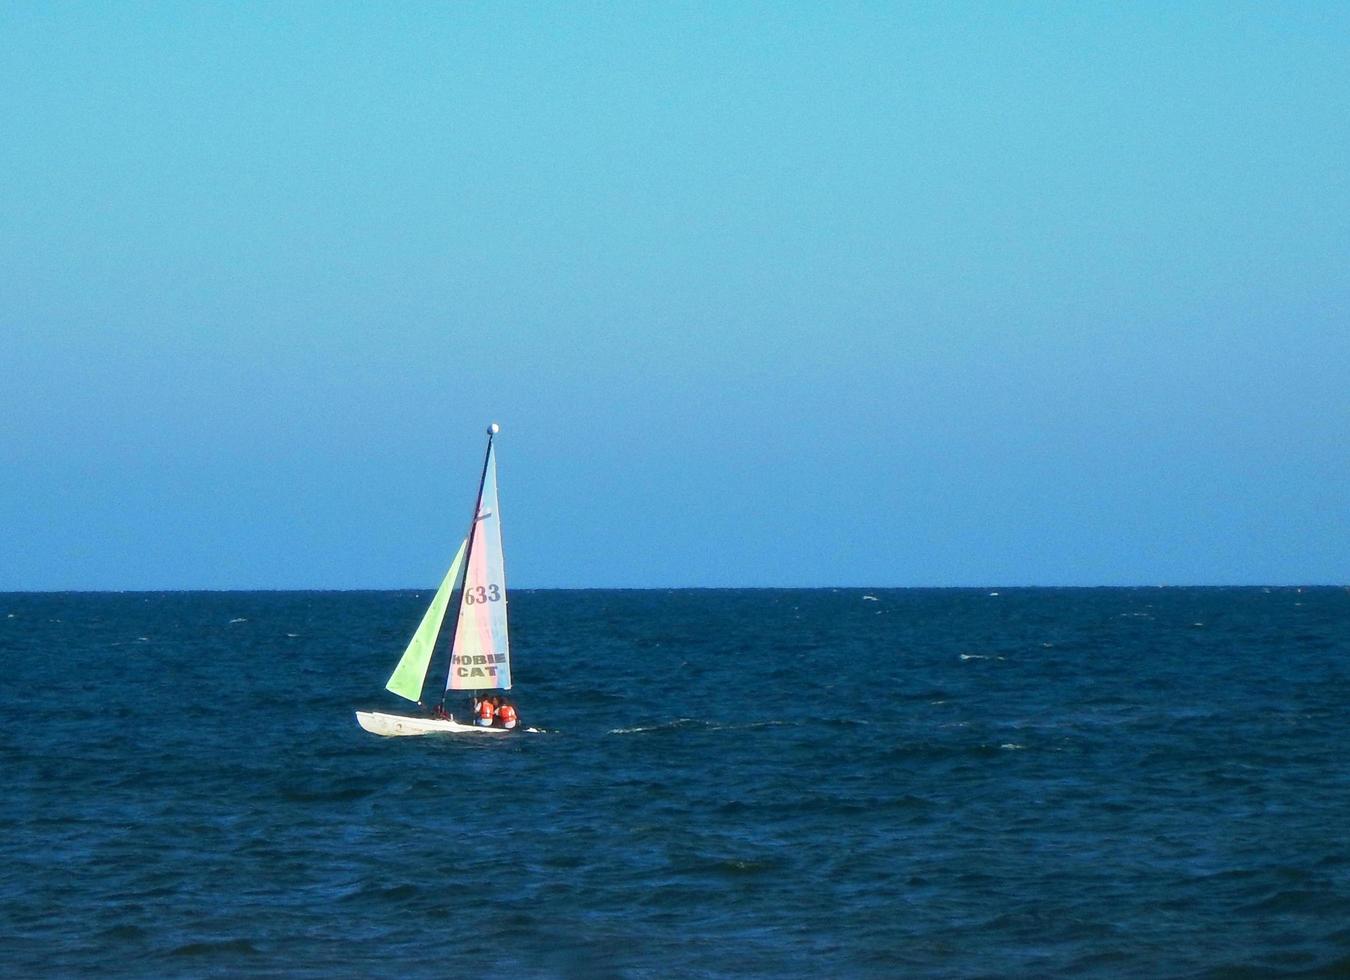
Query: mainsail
{"x": 481, "y": 658}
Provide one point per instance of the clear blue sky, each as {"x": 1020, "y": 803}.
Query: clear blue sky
{"x": 761, "y": 294}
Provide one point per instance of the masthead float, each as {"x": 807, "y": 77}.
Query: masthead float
{"x": 480, "y": 656}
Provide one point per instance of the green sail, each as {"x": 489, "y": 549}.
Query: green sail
{"x": 411, "y": 672}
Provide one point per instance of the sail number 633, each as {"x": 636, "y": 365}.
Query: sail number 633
{"x": 481, "y": 593}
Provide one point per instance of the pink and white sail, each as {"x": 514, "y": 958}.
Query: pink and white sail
{"x": 481, "y": 658}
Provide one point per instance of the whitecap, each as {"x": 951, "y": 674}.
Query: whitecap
{"x": 239, "y": 619}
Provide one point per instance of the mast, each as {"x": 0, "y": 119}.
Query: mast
{"x": 492, "y": 430}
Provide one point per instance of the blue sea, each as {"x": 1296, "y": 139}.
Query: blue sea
{"x": 1147, "y": 782}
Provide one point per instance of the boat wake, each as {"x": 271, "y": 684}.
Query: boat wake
{"x": 698, "y": 724}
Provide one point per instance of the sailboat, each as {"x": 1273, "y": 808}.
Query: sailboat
{"x": 480, "y": 657}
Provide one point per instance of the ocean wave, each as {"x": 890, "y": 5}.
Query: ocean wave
{"x": 396, "y": 894}
{"x": 734, "y": 867}
{"x": 342, "y": 795}
{"x": 232, "y": 947}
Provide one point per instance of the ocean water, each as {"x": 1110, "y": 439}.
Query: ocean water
{"x": 817, "y": 783}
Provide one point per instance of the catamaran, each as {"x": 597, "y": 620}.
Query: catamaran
{"x": 480, "y": 657}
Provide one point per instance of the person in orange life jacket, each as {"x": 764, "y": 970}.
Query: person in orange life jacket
{"x": 485, "y": 710}
{"x": 506, "y": 715}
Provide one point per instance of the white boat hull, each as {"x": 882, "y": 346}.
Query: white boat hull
{"x": 378, "y": 723}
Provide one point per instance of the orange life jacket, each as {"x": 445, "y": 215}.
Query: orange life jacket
{"x": 485, "y": 710}
{"x": 506, "y": 713}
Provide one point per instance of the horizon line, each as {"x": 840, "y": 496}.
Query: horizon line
{"x": 684, "y": 588}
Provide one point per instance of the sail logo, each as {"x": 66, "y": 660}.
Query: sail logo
{"x": 477, "y": 664}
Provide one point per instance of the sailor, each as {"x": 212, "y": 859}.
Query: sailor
{"x": 506, "y": 715}
{"x": 485, "y": 712}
